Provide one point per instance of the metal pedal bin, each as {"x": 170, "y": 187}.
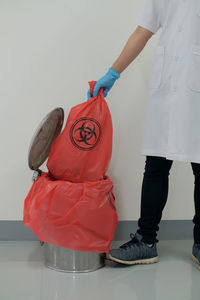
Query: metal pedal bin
{"x": 66, "y": 260}
{"x": 56, "y": 257}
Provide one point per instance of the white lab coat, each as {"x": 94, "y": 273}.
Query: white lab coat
{"x": 172, "y": 118}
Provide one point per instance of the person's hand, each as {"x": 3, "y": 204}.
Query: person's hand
{"x": 107, "y": 81}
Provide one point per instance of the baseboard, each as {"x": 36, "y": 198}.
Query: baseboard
{"x": 168, "y": 230}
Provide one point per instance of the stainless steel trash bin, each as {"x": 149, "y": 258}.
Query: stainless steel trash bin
{"x": 66, "y": 260}
{"x": 56, "y": 257}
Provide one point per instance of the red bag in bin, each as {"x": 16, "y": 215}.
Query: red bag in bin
{"x": 78, "y": 216}
{"x": 83, "y": 150}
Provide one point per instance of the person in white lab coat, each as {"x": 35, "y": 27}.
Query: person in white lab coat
{"x": 172, "y": 119}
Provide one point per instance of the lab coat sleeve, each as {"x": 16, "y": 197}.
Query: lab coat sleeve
{"x": 149, "y": 16}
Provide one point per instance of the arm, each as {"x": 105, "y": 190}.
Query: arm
{"x": 132, "y": 48}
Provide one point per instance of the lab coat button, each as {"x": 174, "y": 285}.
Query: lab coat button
{"x": 180, "y": 28}
{"x": 174, "y": 88}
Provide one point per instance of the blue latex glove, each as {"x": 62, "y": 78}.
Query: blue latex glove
{"x": 107, "y": 81}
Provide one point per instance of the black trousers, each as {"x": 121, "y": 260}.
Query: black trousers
{"x": 154, "y": 195}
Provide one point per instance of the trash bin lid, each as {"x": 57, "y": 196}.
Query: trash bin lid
{"x": 47, "y": 131}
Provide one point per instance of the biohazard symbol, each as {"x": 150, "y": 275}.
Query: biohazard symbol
{"x": 85, "y": 133}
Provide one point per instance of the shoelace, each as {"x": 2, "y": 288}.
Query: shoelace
{"x": 131, "y": 242}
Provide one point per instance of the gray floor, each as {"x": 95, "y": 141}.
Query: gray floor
{"x": 24, "y": 277}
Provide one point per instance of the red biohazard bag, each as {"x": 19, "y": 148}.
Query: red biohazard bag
{"x": 78, "y": 216}
{"x": 83, "y": 150}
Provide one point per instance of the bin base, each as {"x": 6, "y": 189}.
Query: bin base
{"x": 72, "y": 261}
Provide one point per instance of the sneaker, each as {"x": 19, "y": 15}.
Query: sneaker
{"x": 134, "y": 252}
{"x": 196, "y": 253}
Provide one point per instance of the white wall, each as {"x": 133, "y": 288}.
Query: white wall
{"x": 49, "y": 50}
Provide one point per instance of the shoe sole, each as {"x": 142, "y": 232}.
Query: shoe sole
{"x": 134, "y": 262}
{"x": 195, "y": 260}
